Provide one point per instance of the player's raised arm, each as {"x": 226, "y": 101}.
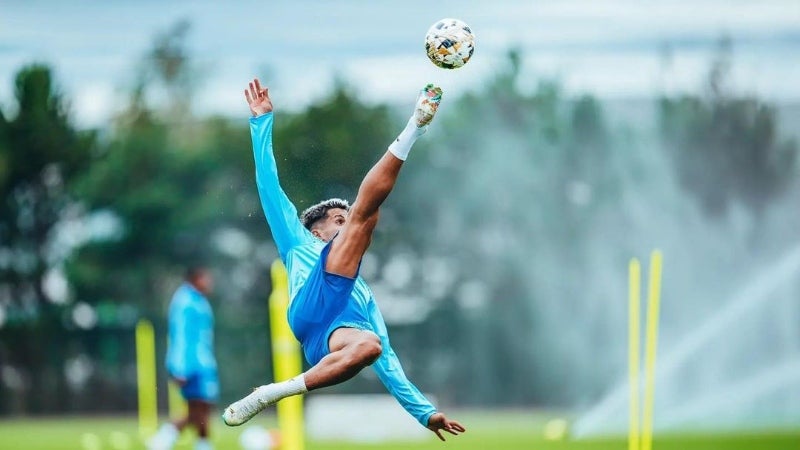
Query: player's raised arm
{"x": 287, "y": 231}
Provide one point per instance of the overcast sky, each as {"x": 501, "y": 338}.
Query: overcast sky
{"x": 611, "y": 48}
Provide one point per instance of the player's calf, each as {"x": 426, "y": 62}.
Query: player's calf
{"x": 351, "y": 350}
{"x": 366, "y": 352}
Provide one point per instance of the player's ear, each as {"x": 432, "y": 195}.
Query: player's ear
{"x": 316, "y": 233}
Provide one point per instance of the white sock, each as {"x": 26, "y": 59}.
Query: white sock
{"x": 402, "y": 145}
{"x": 202, "y": 444}
{"x": 293, "y": 386}
{"x": 165, "y": 438}
{"x": 276, "y": 391}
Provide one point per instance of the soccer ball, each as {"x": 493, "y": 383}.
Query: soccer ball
{"x": 449, "y": 43}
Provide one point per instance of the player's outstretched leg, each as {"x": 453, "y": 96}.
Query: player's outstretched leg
{"x": 354, "y": 238}
{"x": 350, "y": 350}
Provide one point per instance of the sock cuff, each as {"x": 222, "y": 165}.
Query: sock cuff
{"x": 298, "y": 384}
{"x": 400, "y": 151}
{"x": 401, "y": 146}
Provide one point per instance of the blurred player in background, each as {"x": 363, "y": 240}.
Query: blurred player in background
{"x": 190, "y": 358}
{"x": 332, "y": 311}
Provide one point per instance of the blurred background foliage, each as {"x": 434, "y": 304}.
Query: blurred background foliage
{"x": 499, "y": 263}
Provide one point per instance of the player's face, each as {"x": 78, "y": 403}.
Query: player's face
{"x": 333, "y": 222}
{"x": 204, "y": 282}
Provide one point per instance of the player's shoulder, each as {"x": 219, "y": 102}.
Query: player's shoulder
{"x": 182, "y": 297}
{"x": 307, "y": 248}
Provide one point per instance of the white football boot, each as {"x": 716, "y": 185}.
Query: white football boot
{"x": 427, "y": 104}
{"x": 245, "y": 409}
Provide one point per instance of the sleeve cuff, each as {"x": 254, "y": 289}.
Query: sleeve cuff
{"x": 260, "y": 118}
{"x": 423, "y": 420}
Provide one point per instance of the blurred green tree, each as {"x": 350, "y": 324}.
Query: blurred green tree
{"x": 42, "y": 153}
{"x": 175, "y": 185}
{"x": 156, "y": 177}
{"x": 725, "y": 148}
{"x": 182, "y": 188}
{"x": 327, "y": 149}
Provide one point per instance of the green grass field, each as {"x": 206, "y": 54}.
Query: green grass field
{"x": 486, "y": 431}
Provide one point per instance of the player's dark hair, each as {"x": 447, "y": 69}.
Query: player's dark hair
{"x": 193, "y": 271}
{"x": 315, "y": 213}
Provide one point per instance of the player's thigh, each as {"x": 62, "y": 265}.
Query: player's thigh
{"x": 349, "y": 246}
{"x": 344, "y": 337}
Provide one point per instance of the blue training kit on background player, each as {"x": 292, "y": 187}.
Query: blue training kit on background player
{"x": 321, "y": 301}
{"x": 190, "y": 349}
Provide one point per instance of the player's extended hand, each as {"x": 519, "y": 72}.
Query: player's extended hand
{"x": 258, "y": 98}
{"x": 439, "y": 422}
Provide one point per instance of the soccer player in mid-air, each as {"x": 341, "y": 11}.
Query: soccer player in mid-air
{"x": 332, "y": 311}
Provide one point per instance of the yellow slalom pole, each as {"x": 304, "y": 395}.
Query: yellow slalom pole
{"x": 653, "y": 303}
{"x": 286, "y": 360}
{"x": 634, "y": 293}
{"x": 175, "y": 403}
{"x": 177, "y": 408}
{"x": 146, "y": 378}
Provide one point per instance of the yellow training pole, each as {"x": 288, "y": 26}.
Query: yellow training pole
{"x": 634, "y": 292}
{"x": 175, "y": 403}
{"x": 177, "y": 407}
{"x": 286, "y": 360}
{"x": 146, "y": 378}
{"x": 653, "y": 301}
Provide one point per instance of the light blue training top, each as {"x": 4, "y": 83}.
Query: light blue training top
{"x": 299, "y": 250}
{"x": 190, "y": 349}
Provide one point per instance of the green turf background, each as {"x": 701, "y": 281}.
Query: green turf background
{"x": 496, "y": 430}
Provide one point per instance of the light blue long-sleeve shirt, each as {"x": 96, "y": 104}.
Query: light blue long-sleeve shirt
{"x": 190, "y": 348}
{"x": 299, "y": 250}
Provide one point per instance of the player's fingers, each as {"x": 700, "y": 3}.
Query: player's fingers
{"x": 451, "y": 431}
{"x": 266, "y": 92}
{"x": 258, "y": 86}
{"x": 253, "y": 91}
{"x": 438, "y": 433}
{"x": 457, "y": 426}
{"x": 247, "y": 96}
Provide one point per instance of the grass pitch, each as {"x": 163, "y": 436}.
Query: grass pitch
{"x": 486, "y": 431}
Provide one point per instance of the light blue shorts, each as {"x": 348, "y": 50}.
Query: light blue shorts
{"x": 323, "y": 305}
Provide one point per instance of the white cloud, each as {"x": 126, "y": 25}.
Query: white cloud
{"x": 94, "y": 103}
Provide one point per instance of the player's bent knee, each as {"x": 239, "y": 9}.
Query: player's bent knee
{"x": 368, "y": 350}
